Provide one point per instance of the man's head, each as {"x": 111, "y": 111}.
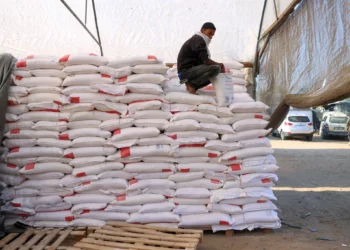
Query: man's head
{"x": 208, "y": 29}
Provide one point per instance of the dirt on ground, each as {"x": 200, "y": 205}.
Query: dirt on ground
{"x": 313, "y": 193}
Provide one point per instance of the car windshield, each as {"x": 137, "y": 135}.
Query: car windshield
{"x": 298, "y": 119}
{"x": 338, "y": 120}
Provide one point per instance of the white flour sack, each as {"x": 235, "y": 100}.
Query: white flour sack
{"x": 32, "y": 202}
{"x": 196, "y": 152}
{"x": 138, "y": 199}
{"x": 115, "y": 124}
{"x": 87, "y": 223}
{"x": 77, "y": 89}
{"x": 132, "y": 61}
{"x": 39, "y": 184}
{"x": 155, "y": 114}
{"x": 250, "y": 107}
{"x": 199, "y": 117}
{"x": 71, "y": 181}
{"x": 21, "y": 73}
{"x": 38, "y": 63}
{"x": 134, "y": 133}
{"x": 215, "y": 110}
{"x": 48, "y": 73}
{"x": 116, "y": 174}
{"x": 123, "y": 209}
{"x": 216, "y": 128}
{"x": 184, "y": 177}
{"x": 208, "y": 219}
{"x": 189, "y": 142}
{"x": 190, "y": 209}
{"x": 159, "y": 217}
{"x": 239, "y": 81}
{"x": 245, "y": 135}
{"x": 144, "y": 105}
{"x": 83, "y": 132}
{"x": 224, "y": 208}
{"x": 109, "y": 89}
{"x": 88, "y": 198}
{"x": 226, "y": 194}
{"x": 52, "y": 126}
{"x": 12, "y": 180}
{"x": 122, "y": 144}
{"x": 157, "y": 207}
{"x": 157, "y": 123}
{"x": 242, "y": 97}
{"x": 88, "y": 152}
{"x": 44, "y": 97}
{"x": 267, "y": 205}
{"x": 97, "y": 169}
{"x": 249, "y": 124}
{"x": 145, "y": 88}
{"x": 86, "y": 161}
{"x": 223, "y": 88}
{"x": 40, "y": 168}
{"x": 44, "y": 176}
{"x": 35, "y": 152}
{"x": 149, "y": 167}
{"x": 17, "y": 109}
{"x": 79, "y": 208}
{"x": 43, "y": 106}
{"x": 246, "y": 153}
{"x": 189, "y": 134}
{"x": 200, "y": 183}
{"x": 45, "y": 89}
{"x": 253, "y": 143}
{"x": 76, "y": 107}
{"x": 137, "y": 98}
{"x": 198, "y": 167}
{"x": 140, "y": 151}
{"x": 80, "y": 69}
{"x": 102, "y": 184}
{"x": 116, "y": 73}
{"x": 52, "y": 142}
{"x": 141, "y": 78}
{"x": 85, "y": 124}
{"x": 159, "y": 159}
{"x": 185, "y": 201}
{"x": 77, "y": 59}
{"x": 222, "y": 146}
{"x": 260, "y": 193}
{"x": 147, "y": 176}
{"x": 178, "y": 107}
{"x": 158, "y": 140}
{"x": 44, "y": 116}
{"x": 259, "y": 160}
{"x": 151, "y": 183}
{"x": 236, "y": 169}
{"x": 11, "y": 117}
{"x": 185, "y": 98}
{"x": 87, "y": 79}
{"x": 30, "y": 82}
{"x": 261, "y": 216}
{"x": 18, "y": 91}
{"x": 17, "y": 143}
{"x": 103, "y": 215}
{"x": 52, "y": 216}
{"x": 182, "y": 125}
{"x": 258, "y": 180}
{"x": 26, "y": 125}
{"x": 150, "y": 69}
{"x": 195, "y": 193}
{"x": 88, "y": 142}
{"x": 233, "y": 65}
{"x": 88, "y": 97}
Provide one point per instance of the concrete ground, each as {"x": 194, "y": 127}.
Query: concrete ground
{"x": 314, "y": 181}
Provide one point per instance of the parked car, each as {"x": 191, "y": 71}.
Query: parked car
{"x": 334, "y": 124}
{"x": 298, "y": 123}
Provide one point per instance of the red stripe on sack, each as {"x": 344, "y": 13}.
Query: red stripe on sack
{"x": 48, "y": 110}
{"x": 215, "y": 181}
{"x": 265, "y": 181}
{"x": 64, "y": 58}
{"x": 29, "y": 166}
{"x": 69, "y": 218}
{"x": 166, "y": 170}
{"x": 92, "y": 54}
{"x": 81, "y": 174}
{"x": 19, "y": 78}
{"x": 10, "y": 121}
{"x": 133, "y": 182}
{"x": 11, "y": 103}
{"x": 121, "y": 198}
{"x": 113, "y": 112}
{"x": 192, "y": 145}
{"x": 14, "y": 150}
{"x": 64, "y": 137}
{"x": 222, "y": 222}
{"x": 233, "y": 158}
{"x": 85, "y": 212}
{"x": 184, "y": 170}
{"x": 260, "y": 201}
{"x": 117, "y": 132}
{"x": 63, "y": 120}
{"x": 150, "y": 57}
{"x": 21, "y": 64}
{"x": 15, "y": 131}
{"x": 23, "y": 215}
{"x": 30, "y": 57}
{"x": 16, "y": 204}
{"x": 258, "y": 116}
{"x": 75, "y": 99}
{"x": 168, "y": 197}
{"x": 11, "y": 166}
{"x": 138, "y": 101}
{"x": 86, "y": 183}
{"x": 102, "y": 92}
{"x": 57, "y": 102}
{"x": 176, "y": 204}
{"x": 261, "y": 137}
{"x": 122, "y": 79}
{"x": 125, "y": 152}
{"x": 105, "y": 76}
{"x": 70, "y": 155}
{"x": 235, "y": 167}
{"x": 174, "y": 137}
{"x": 212, "y": 155}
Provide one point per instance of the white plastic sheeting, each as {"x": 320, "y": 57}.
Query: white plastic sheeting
{"x": 133, "y": 27}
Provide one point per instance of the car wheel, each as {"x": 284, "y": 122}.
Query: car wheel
{"x": 283, "y": 137}
{"x": 323, "y": 136}
{"x": 310, "y": 137}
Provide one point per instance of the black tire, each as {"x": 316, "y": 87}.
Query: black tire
{"x": 323, "y": 136}
{"x": 310, "y": 137}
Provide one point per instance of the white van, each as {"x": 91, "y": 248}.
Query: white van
{"x": 298, "y": 123}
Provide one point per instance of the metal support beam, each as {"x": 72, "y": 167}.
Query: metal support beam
{"x": 84, "y": 26}
{"x": 85, "y": 11}
{"x": 275, "y": 7}
{"x": 96, "y": 24}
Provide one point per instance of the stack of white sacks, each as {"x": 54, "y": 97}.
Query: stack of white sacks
{"x": 91, "y": 140}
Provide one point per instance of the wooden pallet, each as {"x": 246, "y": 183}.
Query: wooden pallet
{"x": 38, "y": 239}
{"x": 120, "y": 235}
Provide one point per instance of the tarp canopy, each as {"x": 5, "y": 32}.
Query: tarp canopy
{"x": 133, "y": 27}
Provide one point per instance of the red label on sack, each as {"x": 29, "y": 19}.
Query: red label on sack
{"x": 81, "y": 174}
{"x": 184, "y": 170}
{"x": 123, "y": 79}
{"x": 105, "y": 76}
{"x": 30, "y": 57}
{"x": 11, "y": 166}
{"x": 19, "y": 77}
{"x": 64, "y": 58}
{"x": 258, "y": 116}
{"x": 69, "y": 218}
{"x": 29, "y": 166}
{"x": 222, "y": 222}
{"x": 15, "y": 131}
{"x": 125, "y": 152}
{"x": 21, "y": 64}
{"x": 113, "y": 112}
{"x": 168, "y": 197}
{"x": 212, "y": 155}
{"x": 102, "y": 92}
{"x": 133, "y": 182}
{"x": 14, "y": 150}
{"x": 215, "y": 181}
{"x": 121, "y": 198}
{"x": 265, "y": 181}
{"x": 70, "y": 155}
{"x": 235, "y": 167}
{"x": 75, "y": 99}
{"x": 191, "y": 145}
{"x": 261, "y": 137}
{"x": 92, "y": 54}
{"x": 62, "y": 120}
{"x": 16, "y": 204}
{"x": 63, "y": 137}
{"x": 260, "y": 201}
{"x": 86, "y": 183}
{"x": 174, "y": 137}
{"x": 57, "y": 102}
{"x": 150, "y": 57}
{"x": 233, "y": 158}
{"x": 11, "y": 103}
{"x": 117, "y": 132}
{"x": 166, "y": 170}
{"x": 85, "y": 212}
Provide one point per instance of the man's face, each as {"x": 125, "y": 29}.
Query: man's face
{"x": 208, "y": 32}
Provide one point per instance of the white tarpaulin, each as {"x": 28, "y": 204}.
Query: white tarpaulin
{"x": 133, "y": 27}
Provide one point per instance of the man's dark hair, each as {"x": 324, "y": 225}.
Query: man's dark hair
{"x": 208, "y": 26}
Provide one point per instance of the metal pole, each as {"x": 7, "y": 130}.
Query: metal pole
{"x": 96, "y": 24}
{"x": 85, "y": 11}
{"x": 82, "y": 24}
{"x": 275, "y": 7}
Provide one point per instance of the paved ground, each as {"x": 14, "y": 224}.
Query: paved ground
{"x": 314, "y": 178}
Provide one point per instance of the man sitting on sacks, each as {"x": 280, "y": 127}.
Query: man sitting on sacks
{"x": 195, "y": 67}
